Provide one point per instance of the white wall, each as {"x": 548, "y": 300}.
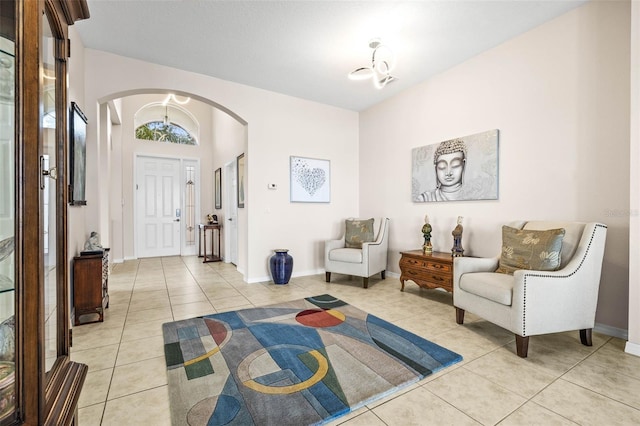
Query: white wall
{"x": 77, "y": 231}
{"x": 278, "y": 126}
{"x": 559, "y": 95}
{"x": 633, "y": 345}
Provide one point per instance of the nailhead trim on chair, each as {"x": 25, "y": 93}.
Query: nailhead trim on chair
{"x": 524, "y": 308}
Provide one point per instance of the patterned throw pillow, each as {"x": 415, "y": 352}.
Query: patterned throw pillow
{"x": 529, "y": 249}
{"x": 358, "y": 232}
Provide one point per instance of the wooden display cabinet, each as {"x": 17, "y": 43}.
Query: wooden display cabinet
{"x": 40, "y": 384}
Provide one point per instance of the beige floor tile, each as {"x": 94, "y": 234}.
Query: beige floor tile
{"x": 361, "y": 417}
{"x": 584, "y": 406}
{"x": 421, "y": 407}
{"x": 149, "y": 292}
{"x": 149, "y": 315}
{"x": 606, "y": 381}
{"x": 229, "y": 302}
{"x": 190, "y": 310}
{"x": 138, "y": 376}
{"x": 95, "y": 388}
{"x": 91, "y": 415}
{"x": 89, "y": 338}
{"x": 188, "y": 298}
{"x": 612, "y": 355}
{"x": 533, "y": 414}
{"x": 150, "y": 407}
{"x": 97, "y": 358}
{"x": 141, "y": 330}
{"x": 499, "y": 366}
{"x": 152, "y": 303}
{"x": 138, "y": 350}
{"x": 476, "y": 396}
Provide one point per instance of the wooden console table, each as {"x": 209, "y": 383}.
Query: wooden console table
{"x": 90, "y": 285}
{"x": 215, "y": 242}
{"x": 433, "y": 270}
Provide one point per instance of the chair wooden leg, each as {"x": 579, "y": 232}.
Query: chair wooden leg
{"x": 522, "y": 346}
{"x": 365, "y": 282}
{"x": 327, "y": 277}
{"x": 459, "y": 315}
{"x": 585, "y": 337}
{"x": 382, "y": 274}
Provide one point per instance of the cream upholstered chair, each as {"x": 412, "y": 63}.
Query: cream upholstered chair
{"x": 364, "y": 262}
{"x": 533, "y": 302}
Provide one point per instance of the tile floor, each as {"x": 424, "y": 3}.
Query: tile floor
{"x": 561, "y": 382}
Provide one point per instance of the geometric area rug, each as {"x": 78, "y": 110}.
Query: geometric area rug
{"x": 301, "y": 362}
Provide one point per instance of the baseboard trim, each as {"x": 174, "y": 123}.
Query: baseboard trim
{"x": 611, "y": 331}
{"x": 117, "y": 261}
{"x": 632, "y": 348}
{"x": 293, "y": 275}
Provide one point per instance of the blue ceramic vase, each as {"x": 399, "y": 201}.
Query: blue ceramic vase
{"x": 281, "y": 265}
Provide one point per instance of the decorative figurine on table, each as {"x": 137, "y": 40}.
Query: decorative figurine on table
{"x": 427, "y": 248}
{"x": 457, "y": 250}
{"x": 212, "y": 218}
{"x": 93, "y": 243}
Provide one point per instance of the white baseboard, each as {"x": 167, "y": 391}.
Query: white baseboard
{"x": 130, "y": 258}
{"x": 392, "y": 274}
{"x": 293, "y": 275}
{"x": 611, "y": 331}
{"x": 117, "y": 261}
{"x": 632, "y": 348}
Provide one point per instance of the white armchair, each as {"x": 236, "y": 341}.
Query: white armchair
{"x": 532, "y": 302}
{"x": 369, "y": 260}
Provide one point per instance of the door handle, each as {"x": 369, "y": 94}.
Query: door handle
{"x": 177, "y": 220}
{"x": 230, "y": 219}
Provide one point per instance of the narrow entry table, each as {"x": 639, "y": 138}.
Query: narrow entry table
{"x": 214, "y": 255}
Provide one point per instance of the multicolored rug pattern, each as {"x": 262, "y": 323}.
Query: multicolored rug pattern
{"x": 302, "y": 362}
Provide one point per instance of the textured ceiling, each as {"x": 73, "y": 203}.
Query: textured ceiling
{"x": 307, "y": 48}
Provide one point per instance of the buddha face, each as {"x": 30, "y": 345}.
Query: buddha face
{"x": 449, "y": 170}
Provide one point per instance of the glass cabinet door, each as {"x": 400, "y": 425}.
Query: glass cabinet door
{"x": 7, "y": 214}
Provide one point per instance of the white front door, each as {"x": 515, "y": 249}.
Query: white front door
{"x": 157, "y": 206}
{"x": 231, "y": 213}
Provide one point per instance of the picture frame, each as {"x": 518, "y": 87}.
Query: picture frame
{"x": 241, "y": 187}
{"x": 77, "y": 156}
{"x": 460, "y": 169}
{"x": 217, "y": 184}
{"x": 310, "y": 180}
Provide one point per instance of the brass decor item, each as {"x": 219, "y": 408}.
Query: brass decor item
{"x": 427, "y": 248}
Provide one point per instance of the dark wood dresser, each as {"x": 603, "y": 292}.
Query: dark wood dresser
{"x": 90, "y": 286}
{"x": 433, "y": 270}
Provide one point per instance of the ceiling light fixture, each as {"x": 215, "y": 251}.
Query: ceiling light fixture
{"x": 382, "y": 62}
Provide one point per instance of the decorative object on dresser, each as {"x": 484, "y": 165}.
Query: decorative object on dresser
{"x": 433, "y": 270}
{"x": 457, "y": 249}
{"x": 553, "y": 291}
{"x": 427, "y": 247}
{"x": 90, "y": 285}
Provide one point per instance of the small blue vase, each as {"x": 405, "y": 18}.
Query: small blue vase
{"x": 281, "y": 265}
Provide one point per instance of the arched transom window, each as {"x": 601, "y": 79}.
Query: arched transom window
{"x": 166, "y": 122}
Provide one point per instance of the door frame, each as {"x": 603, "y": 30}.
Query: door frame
{"x": 182, "y": 161}
{"x": 231, "y": 210}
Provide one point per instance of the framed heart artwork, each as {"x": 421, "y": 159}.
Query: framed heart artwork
{"x": 310, "y": 180}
